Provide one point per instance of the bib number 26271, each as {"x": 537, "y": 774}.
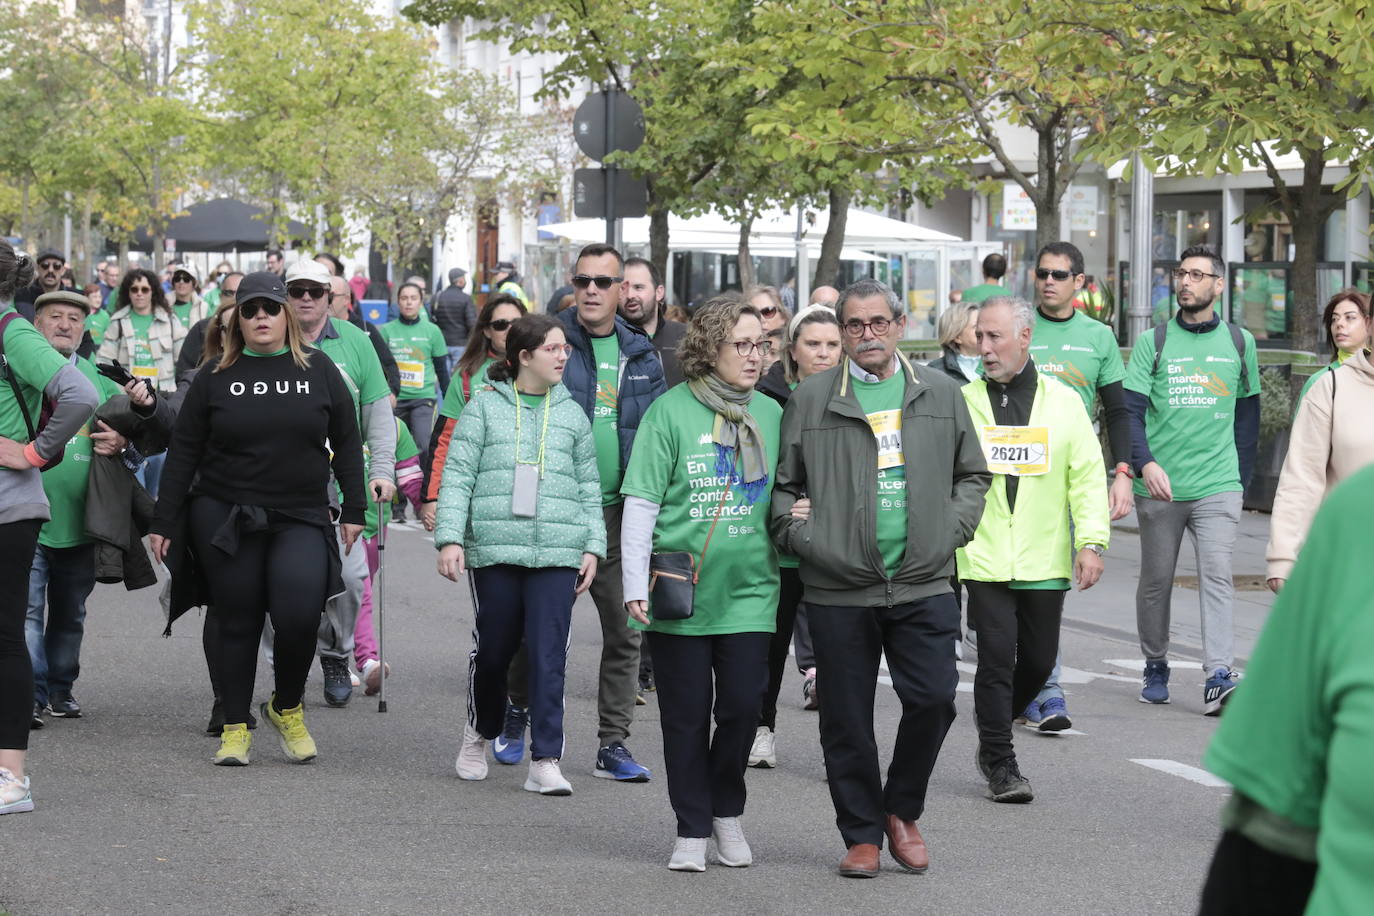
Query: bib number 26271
{"x": 1019, "y": 451}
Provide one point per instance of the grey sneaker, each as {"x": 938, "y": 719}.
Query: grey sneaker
{"x": 472, "y": 755}
{"x": 689, "y": 854}
{"x": 1007, "y": 785}
{"x": 16, "y": 797}
{"x": 731, "y": 847}
{"x": 764, "y": 752}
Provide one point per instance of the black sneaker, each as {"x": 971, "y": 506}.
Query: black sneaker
{"x": 37, "y": 722}
{"x": 216, "y": 726}
{"x": 1006, "y": 784}
{"x": 64, "y": 707}
{"x": 338, "y": 686}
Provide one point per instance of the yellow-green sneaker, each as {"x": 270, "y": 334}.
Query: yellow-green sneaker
{"x": 233, "y": 746}
{"x": 290, "y": 723}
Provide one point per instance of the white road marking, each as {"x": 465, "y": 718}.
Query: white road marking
{"x": 1182, "y": 770}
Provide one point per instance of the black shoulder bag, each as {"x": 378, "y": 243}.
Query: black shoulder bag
{"x": 673, "y": 576}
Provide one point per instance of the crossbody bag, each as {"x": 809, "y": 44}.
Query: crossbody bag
{"x": 673, "y": 576}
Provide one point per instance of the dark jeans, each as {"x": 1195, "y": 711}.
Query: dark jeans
{"x": 515, "y": 603}
{"x": 279, "y": 573}
{"x": 1018, "y": 638}
{"x": 61, "y": 579}
{"x": 705, "y": 770}
{"x": 789, "y": 599}
{"x": 18, "y": 540}
{"x": 918, "y": 639}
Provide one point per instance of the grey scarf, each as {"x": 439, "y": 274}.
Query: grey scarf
{"x": 735, "y": 433}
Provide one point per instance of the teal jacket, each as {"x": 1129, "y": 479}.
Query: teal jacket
{"x": 475, "y": 498}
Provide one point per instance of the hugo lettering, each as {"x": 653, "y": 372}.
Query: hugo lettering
{"x": 281, "y": 386}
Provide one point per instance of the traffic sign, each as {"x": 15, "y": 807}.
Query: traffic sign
{"x": 608, "y": 122}
{"x": 590, "y": 199}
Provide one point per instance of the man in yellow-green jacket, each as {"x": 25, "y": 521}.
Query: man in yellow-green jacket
{"x": 1047, "y": 466}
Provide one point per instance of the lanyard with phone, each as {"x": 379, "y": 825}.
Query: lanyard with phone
{"x": 524, "y": 498}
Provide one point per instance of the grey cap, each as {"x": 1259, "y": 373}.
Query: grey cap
{"x": 456, "y": 274}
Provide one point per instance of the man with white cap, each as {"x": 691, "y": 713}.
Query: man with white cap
{"x": 187, "y": 303}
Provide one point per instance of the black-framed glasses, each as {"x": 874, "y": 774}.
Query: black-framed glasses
{"x": 269, "y": 307}
{"x": 855, "y": 328}
{"x": 307, "y": 292}
{"x": 746, "y": 347}
{"x": 500, "y": 324}
{"x": 1044, "y": 273}
{"x": 1196, "y": 276}
{"x": 582, "y": 281}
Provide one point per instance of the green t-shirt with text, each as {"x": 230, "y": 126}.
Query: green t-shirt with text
{"x": 353, "y": 353}
{"x": 674, "y": 465}
{"x": 415, "y": 347}
{"x": 882, "y": 402}
{"x": 606, "y": 416}
{"x": 982, "y": 292}
{"x": 34, "y": 362}
{"x": 66, "y": 484}
{"x": 454, "y": 401}
{"x": 143, "y": 354}
{"x": 1191, "y": 421}
{"x": 1080, "y": 351}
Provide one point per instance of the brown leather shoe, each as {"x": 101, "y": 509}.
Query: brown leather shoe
{"x": 860, "y": 862}
{"x": 905, "y": 843}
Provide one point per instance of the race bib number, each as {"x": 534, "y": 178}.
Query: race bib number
{"x": 887, "y": 430}
{"x": 412, "y": 374}
{"x": 1018, "y": 451}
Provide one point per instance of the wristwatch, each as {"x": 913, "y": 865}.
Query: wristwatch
{"x": 1095, "y": 548}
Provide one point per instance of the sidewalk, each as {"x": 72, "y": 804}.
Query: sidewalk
{"x": 1109, "y": 607}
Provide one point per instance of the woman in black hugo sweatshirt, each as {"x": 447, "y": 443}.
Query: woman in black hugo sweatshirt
{"x": 249, "y": 464}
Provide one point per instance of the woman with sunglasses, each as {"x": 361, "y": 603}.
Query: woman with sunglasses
{"x": 521, "y": 506}
{"x": 486, "y": 344}
{"x": 705, "y": 453}
{"x": 246, "y": 505}
{"x": 187, "y": 303}
{"x": 775, "y": 317}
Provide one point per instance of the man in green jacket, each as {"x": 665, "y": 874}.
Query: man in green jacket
{"x": 872, "y": 443}
{"x": 1046, "y": 463}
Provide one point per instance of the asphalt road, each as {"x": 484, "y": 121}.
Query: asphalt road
{"x": 132, "y": 818}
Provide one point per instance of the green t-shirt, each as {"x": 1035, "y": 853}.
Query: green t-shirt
{"x": 405, "y": 450}
{"x": 353, "y": 353}
{"x": 183, "y": 312}
{"x": 1191, "y": 420}
{"x": 606, "y": 415}
{"x": 882, "y": 401}
{"x": 143, "y": 354}
{"x": 1080, "y": 351}
{"x": 415, "y": 346}
{"x": 96, "y": 323}
{"x": 454, "y": 401}
{"x": 1298, "y": 734}
{"x": 675, "y": 466}
{"x": 66, "y": 484}
{"x": 982, "y": 292}
{"x": 34, "y": 362}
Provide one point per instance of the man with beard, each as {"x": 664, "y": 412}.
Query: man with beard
{"x": 47, "y": 278}
{"x": 1193, "y": 389}
{"x": 641, "y": 304}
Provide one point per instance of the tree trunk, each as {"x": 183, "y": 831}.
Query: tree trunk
{"x": 1048, "y": 224}
{"x": 658, "y": 244}
{"x": 123, "y": 254}
{"x": 87, "y": 260}
{"x": 1308, "y": 221}
{"x": 1047, "y": 194}
{"x": 828, "y": 264}
{"x": 24, "y": 227}
{"x": 743, "y": 258}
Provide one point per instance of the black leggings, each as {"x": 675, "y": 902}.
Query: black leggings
{"x": 788, "y": 599}
{"x": 18, "y": 541}
{"x": 279, "y": 573}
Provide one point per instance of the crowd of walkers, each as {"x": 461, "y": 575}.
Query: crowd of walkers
{"x": 867, "y": 508}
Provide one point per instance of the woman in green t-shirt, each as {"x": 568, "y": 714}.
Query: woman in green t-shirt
{"x": 699, "y": 482}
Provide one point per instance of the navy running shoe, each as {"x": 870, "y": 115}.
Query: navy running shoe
{"x": 1156, "y": 682}
{"x": 509, "y": 746}
{"x": 1054, "y": 715}
{"x": 615, "y": 762}
{"x": 1217, "y": 690}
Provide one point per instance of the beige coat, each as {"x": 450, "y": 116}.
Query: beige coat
{"x": 1321, "y": 453}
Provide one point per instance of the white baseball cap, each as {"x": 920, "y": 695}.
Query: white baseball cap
{"x": 310, "y": 271}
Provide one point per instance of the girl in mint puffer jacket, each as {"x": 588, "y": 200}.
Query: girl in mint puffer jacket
{"x": 520, "y": 506}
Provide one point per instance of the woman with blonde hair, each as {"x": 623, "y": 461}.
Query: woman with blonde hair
{"x": 775, "y": 316}
{"x": 245, "y": 503}
{"x": 955, "y": 328}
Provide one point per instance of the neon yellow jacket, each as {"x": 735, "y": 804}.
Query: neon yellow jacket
{"x": 1032, "y": 544}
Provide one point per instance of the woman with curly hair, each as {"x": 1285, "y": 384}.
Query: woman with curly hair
{"x": 705, "y": 453}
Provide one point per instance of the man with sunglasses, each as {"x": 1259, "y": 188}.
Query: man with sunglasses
{"x": 49, "y": 268}
{"x": 1193, "y": 391}
{"x": 641, "y": 304}
{"x": 875, "y": 569}
{"x": 308, "y": 286}
{"x": 614, "y": 374}
{"x": 1082, "y": 353}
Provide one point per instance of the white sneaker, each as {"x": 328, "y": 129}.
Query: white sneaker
{"x": 15, "y": 797}
{"x": 731, "y": 847}
{"x": 372, "y": 676}
{"x": 472, "y": 755}
{"x": 689, "y": 854}
{"x": 546, "y": 778}
{"x": 763, "y": 753}
{"x": 354, "y": 679}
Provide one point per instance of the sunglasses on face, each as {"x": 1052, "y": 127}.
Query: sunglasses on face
{"x": 1044, "y": 273}
{"x": 50, "y": 265}
{"x": 182, "y": 278}
{"x": 500, "y": 324}
{"x": 582, "y": 281}
{"x": 140, "y": 290}
{"x": 250, "y": 309}
{"x": 307, "y": 292}
{"x": 768, "y": 311}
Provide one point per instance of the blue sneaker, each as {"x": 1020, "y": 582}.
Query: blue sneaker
{"x": 1156, "y": 689}
{"x": 1054, "y": 715}
{"x": 509, "y": 746}
{"x": 614, "y": 762}
{"x": 1216, "y": 691}
{"x": 1030, "y": 718}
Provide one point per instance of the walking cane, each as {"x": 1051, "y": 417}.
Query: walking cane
{"x": 378, "y": 585}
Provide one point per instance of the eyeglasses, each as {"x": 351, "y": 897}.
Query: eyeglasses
{"x": 140, "y": 290}
{"x": 500, "y": 324}
{"x": 268, "y": 307}
{"x": 340, "y": 296}
{"x": 555, "y": 349}
{"x": 50, "y": 265}
{"x": 227, "y": 293}
{"x": 582, "y": 281}
{"x": 1044, "y": 273}
{"x": 745, "y": 347}
{"x": 1193, "y": 275}
{"x": 307, "y": 292}
{"x": 768, "y": 311}
{"x": 855, "y": 328}
{"x": 182, "y": 278}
